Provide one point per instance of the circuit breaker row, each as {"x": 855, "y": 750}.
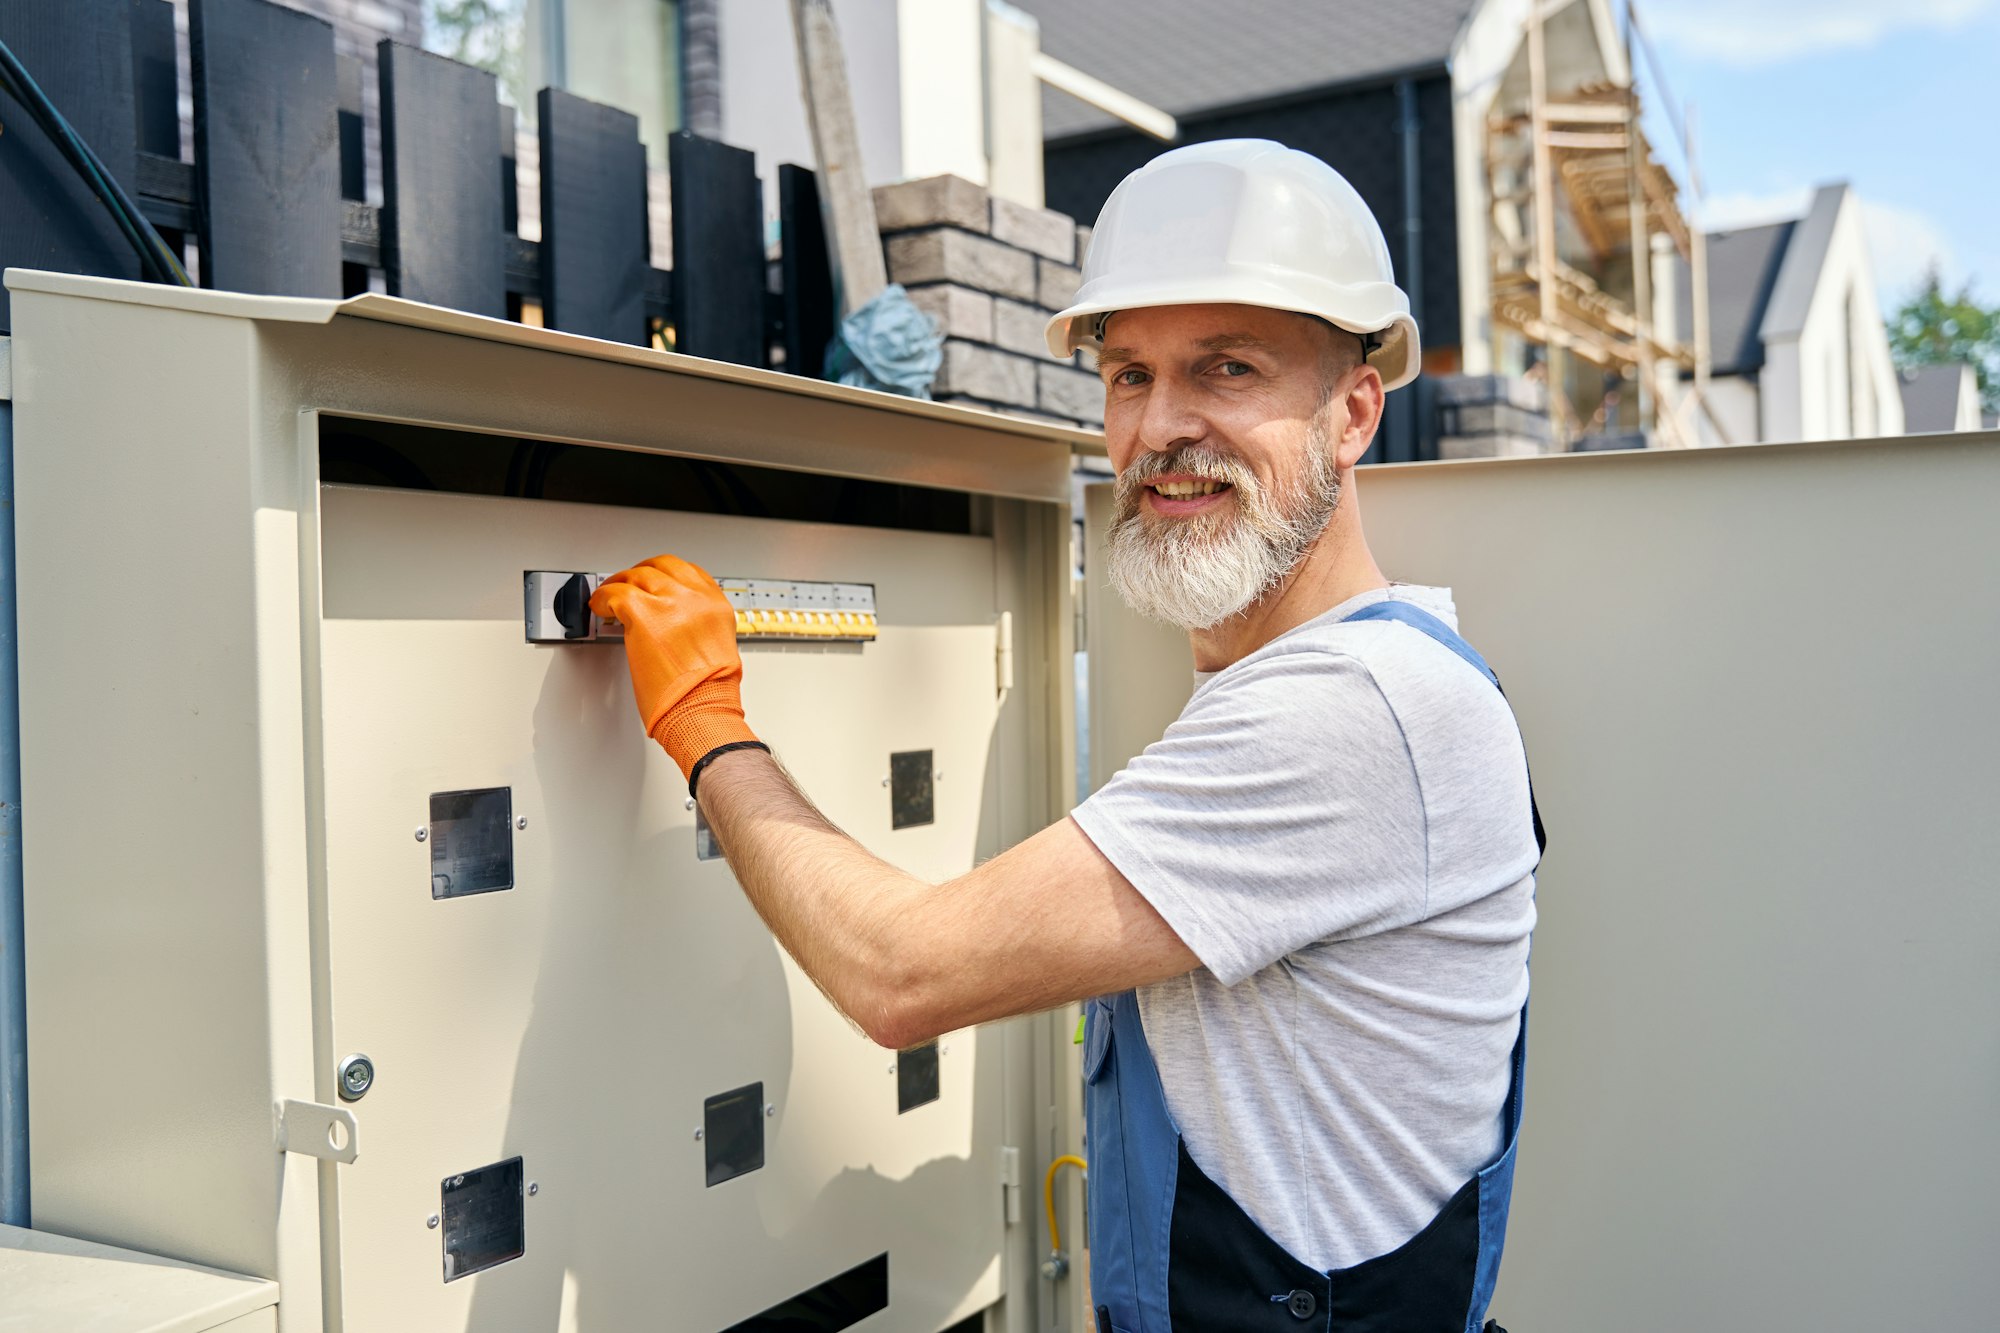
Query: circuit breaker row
{"x": 557, "y": 607}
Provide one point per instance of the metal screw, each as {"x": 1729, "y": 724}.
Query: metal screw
{"x": 892, "y": 1066}
{"x": 944, "y": 1050}
{"x": 534, "y": 1188}
{"x": 885, "y": 782}
{"x": 937, "y": 777}
{"x": 357, "y": 1075}
{"x": 697, "y": 1135}
{"x": 690, "y": 803}
{"x": 520, "y": 821}
{"x": 423, "y": 835}
{"x": 432, "y": 1221}
{"x": 770, "y": 1108}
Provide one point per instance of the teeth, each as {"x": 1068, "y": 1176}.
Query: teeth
{"x": 1181, "y": 489}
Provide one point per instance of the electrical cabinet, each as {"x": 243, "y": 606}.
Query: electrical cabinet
{"x": 377, "y": 952}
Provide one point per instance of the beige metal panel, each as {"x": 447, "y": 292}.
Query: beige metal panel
{"x": 56, "y": 1284}
{"x": 1034, "y": 768}
{"x": 1141, "y": 672}
{"x": 166, "y": 945}
{"x": 181, "y": 929}
{"x": 580, "y": 1018}
{"x": 1758, "y": 692}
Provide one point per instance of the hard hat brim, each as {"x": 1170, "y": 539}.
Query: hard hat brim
{"x": 1378, "y": 308}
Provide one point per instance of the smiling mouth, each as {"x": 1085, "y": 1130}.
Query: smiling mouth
{"x": 1189, "y": 489}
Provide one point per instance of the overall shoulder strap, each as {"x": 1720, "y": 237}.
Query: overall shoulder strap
{"x": 1419, "y": 619}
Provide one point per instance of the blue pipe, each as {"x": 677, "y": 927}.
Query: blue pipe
{"x": 13, "y": 972}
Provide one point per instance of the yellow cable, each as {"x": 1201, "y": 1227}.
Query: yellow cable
{"x": 1049, "y": 1194}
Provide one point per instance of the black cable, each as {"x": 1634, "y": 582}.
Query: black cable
{"x": 156, "y": 258}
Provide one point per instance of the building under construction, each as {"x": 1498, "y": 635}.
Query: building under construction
{"x": 1496, "y": 143}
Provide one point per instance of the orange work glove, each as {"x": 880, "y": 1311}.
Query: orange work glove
{"x": 680, "y": 642}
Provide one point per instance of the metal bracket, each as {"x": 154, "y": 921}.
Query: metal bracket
{"x": 325, "y": 1132}
{"x": 1003, "y": 654}
{"x": 1010, "y": 1185}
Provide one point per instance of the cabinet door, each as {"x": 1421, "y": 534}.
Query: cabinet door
{"x": 543, "y": 967}
{"x": 1141, "y": 672}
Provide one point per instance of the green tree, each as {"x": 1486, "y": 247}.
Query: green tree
{"x": 486, "y": 33}
{"x": 1936, "y": 327}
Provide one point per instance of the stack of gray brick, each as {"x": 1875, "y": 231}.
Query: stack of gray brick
{"x": 1491, "y": 416}
{"x": 991, "y": 272}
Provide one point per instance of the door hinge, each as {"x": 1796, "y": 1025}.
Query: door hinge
{"x": 1003, "y": 654}
{"x": 1010, "y": 1185}
{"x": 326, "y": 1132}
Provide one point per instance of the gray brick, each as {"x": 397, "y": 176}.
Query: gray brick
{"x": 987, "y": 373}
{"x": 1043, "y": 230}
{"x": 935, "y": 201}
{"x": 1018, "y": 328}
{"x": 1071, "y": 393}
{"x": 959, "y": 311}
{"x": 1055, "y": 284}
{"x": 949, "y": 255}
{"x": 1083, "y": 235}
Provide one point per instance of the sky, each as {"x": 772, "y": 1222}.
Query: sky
{"x": 1896, "y": 97}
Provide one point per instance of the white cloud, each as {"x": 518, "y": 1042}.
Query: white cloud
{"x": 1766, "y": 32}
{"x": 1730, "y": 212}
{"x": 1903, "y": 246}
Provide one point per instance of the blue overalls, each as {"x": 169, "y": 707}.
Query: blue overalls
{"x": 1170, "y": 1250}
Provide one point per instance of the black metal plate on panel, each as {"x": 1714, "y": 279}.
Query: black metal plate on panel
{"x": 916, "y": 1077}
{"x": 910, "y": 791}
{"x": 837, "y": 1303}
{"x": 732, "y": 1131}
{"x": 483, "y": 1219}
{"x": 706, "y": 848}
{"x": 472, "y": 841}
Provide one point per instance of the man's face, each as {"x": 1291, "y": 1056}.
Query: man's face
{"x": 1227, "y": 425}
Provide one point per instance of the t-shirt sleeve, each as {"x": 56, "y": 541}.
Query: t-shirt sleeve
{"x": 1281, "y": 809}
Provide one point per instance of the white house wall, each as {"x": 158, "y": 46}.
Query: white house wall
{"x": 763, "y": 109}
{"x": 1847, "y": 386}
{"x": 1732, "y": 415}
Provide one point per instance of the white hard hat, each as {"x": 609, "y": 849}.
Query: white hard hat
{"x": 1249, "y": 222}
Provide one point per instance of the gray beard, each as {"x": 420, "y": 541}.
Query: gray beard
{"x": 1197, "y": 572}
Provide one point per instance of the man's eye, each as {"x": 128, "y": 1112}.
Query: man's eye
{"x": 1235, "y": 369}
{"x": 1129, "y": 377}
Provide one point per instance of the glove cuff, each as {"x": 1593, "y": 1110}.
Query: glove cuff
{"x": 688, "y": 735}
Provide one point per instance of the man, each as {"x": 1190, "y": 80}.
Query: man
{"x": 1310, "y": 902}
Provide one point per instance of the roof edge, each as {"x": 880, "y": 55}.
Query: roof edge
{"x": 1805, "y": 259}
{"x": 1382, "y": 79}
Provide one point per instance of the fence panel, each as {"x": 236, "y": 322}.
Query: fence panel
{"x": 441, "y": 185}
{"x": 594, "y": 244}
{"x": 267, "y": 148}
{"x": 806, "y": 275}
{"x": 718, "y": 227}
{"x": 80, "y": 52}
{"x": 156, "y": 78}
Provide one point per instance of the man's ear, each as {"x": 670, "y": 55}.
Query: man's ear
{"x": 1362, "y": 397}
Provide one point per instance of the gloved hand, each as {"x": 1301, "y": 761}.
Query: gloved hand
{"x": 680, "y": 643}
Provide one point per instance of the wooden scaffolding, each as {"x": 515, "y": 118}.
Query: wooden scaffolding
{"x": 1583, "y": 155}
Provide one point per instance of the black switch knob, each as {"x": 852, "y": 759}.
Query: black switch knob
{"x": 573, "y": 606}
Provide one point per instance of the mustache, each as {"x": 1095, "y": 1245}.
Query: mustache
{"x": 1198, "y": 459}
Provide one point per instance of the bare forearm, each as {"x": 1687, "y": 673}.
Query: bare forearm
{"x": 834, "y": 906}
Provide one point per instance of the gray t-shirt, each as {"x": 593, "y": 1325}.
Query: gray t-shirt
{"x": 1337, "y": 825}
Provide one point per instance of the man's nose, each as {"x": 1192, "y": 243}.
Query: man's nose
{"x": 1170, "y": 418}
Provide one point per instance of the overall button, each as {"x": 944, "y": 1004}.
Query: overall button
{"x": 1301, "y": 1304}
